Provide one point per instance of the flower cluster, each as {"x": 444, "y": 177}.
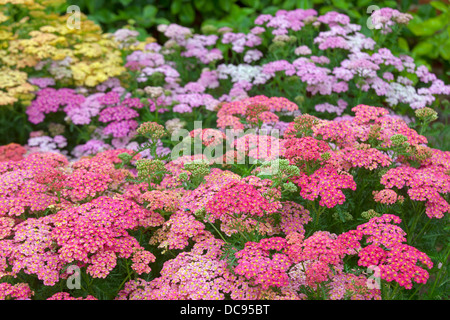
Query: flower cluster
{"x": 48, "y": 44}
{"x": 263, "y": 263}
{"x": 327, "y": 183}
{"x": 427, "y": 183}
{"x": 312, "y": 145}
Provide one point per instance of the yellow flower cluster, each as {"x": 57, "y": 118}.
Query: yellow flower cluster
{"x": 81, "y": 56}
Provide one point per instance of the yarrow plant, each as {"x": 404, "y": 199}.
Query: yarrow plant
{"x": 292, "y": 161}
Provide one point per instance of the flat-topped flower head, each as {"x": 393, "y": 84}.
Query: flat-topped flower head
{"x": 151, "y": 129}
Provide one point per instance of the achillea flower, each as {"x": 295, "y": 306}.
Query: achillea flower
{"x": 6, "y": 226}
{"x": 302, "y": 50}
{"x": 386, "y": 250}
{"x": 96, "y": 233}
{"x": 362, "y": 156}
{"x": 304, "y": 150}
{"x": 164, "y": 200}
{"x": 383, "y": 19}
{"x": 19, "y": 189}
{"x": 344, "y": 285}
{"x": 151, "y": 129}
{"x": 252, "y": 109}
{"x": 426, "y": 114}
{"x": 365, "y": 114}
{"x": 50, "y": 100}
{"x": 424, "y": 184}
{"x": 387, "y": 196}
{"x": 293, "y": 217}
{"x": 260, "y": 267}
{"x": 67, "y": 296}
{"x": 398, "y": 264}
{"x": 32, "y": 251}
{"x": 327, "y": 183}
{"x": 176, "y": 232}
{"x": 120, "y": 129}
{"x": 19, "y": 291}
{"x": 336, "y": 132}
{"x": 260, "y": 146}
{"x": 118, "y": 113}
{"x": 12, "y": 151}
{"x": 239, "y": 198}
{"x": 198, "y": 274}
{"x": 302, "y": 126}
{"x": 141, "y": 260}
{"x": 209, "y": 137}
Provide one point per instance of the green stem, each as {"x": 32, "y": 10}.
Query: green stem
{"x": 220, "y": 234}
{"x": 420, "y": 232}
{"x": 439, "y": 274}
{"x": 416, "y": 219}
{"x": 126, "y": 278}
{"x": 416, "y": 291}
{"x": 394, "y": 292}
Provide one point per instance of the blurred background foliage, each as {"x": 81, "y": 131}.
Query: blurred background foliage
{"x": 426, "y": 39}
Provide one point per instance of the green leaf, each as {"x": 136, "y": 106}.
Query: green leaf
{"x": 445, "y": 50}
{"x": 225, "y": 5}
{"x": 341, "y": 4}
{"x": 175, "y": 7}
{"x": 251, "y": 3}
{"x": 428, "y": 27}
{"x": 354, "y": 14}
{"x": 423, "y": 49}
{"x": 439, "y": 6}
{"x": 304, "y": 4}
{"x": 105, "y": 16}
{"x": 161, "y": 21}
{"x": 403, "y": 44}
{"x": 270, "y": 10}
{"x": 390, "y": 4}
{"x": 125, "y": 2}
{"x": 364, "y": 3}
{"x": 199, "y": 4}
{"x": 187, "y": 14}
{"x": 288, "y": 5}
{"x": 405, "y": 4}
{"x": 149, "y": 12}
{"x": 326, "y": 9}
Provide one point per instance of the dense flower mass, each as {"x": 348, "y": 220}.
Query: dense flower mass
{"x": 292, "y": 161}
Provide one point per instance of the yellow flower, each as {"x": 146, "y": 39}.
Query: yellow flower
{"x": 11, "y": 78}
{"x": 23, "y": 88}
{"x": 20, "y": 2}
{"x": 3, "y": 17}
{"x": 6, "y": 35}
{"x": 6, "y": 99}
{"x": 141, "y": 45}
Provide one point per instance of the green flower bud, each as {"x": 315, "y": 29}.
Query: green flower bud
{"x": 299, "y": 100}
{"x": 325, "y": 156}
{"x": 369, "y": 214}
{"x": 346, "y": 216}
{"x": 147, "y": 167}
{"x": 198, "y": 168}
{"x": 200, "y": 213}
{"x": 183, "y": 176}
{"x": 426, "y": 114}
{"x": 289, "y": 187}
{"x": 126, "y": 157}
{"x": 208, "y": 29}
{"x": 398, "y": 139}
